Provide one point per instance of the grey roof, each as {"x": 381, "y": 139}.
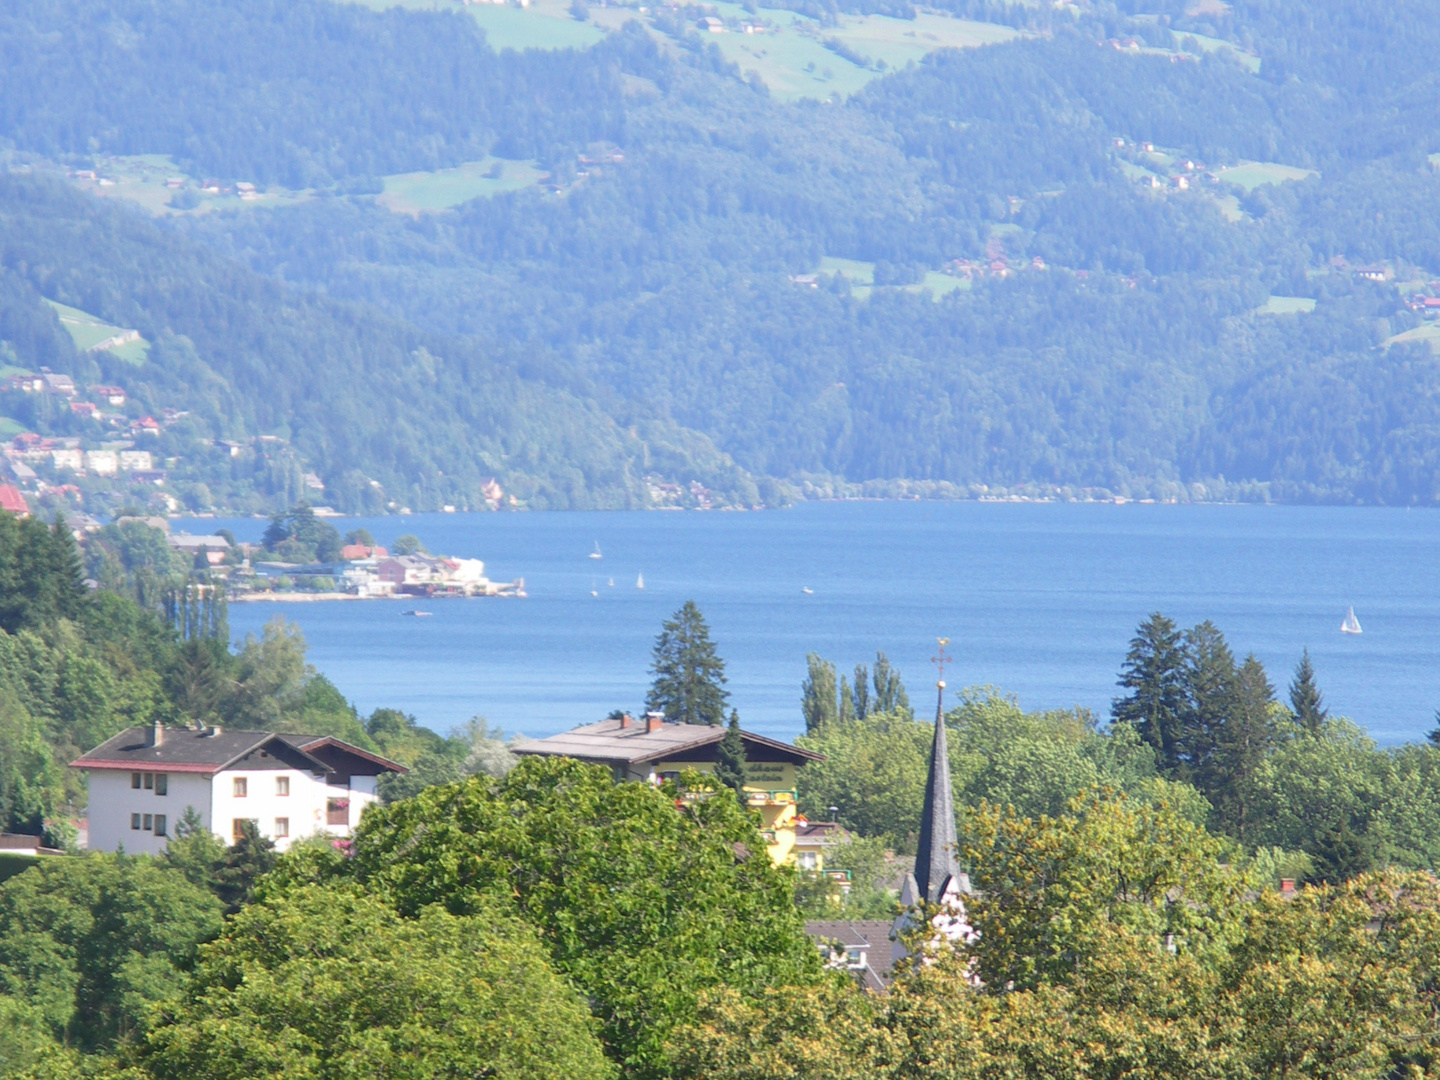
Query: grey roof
{"x": 935, "y": 863}
{"x": 207, "y": 751}
{"x": 608, "y": 741}
{"x": 870, "y": 935}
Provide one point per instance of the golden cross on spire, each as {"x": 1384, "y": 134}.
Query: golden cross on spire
{"x": 940, "y": 660}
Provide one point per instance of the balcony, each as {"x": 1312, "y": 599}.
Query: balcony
{"x": 770, "y": 798}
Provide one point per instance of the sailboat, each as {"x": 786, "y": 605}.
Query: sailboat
{"x": 596, "y": 553}
{"x": 593, "y": 591}
{"x": 610, "y": 584}
{"x": 639, "y": 581}
{"x": 1351, "y": 625}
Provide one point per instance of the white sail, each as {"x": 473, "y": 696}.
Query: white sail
{"x": 639, "y": 581}
{"x": 1351, "y": 625}
{"x": 596, "y": 553}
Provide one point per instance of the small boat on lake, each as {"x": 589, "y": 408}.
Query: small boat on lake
{"x": 418, "y": 614}
{"x": 610, "y": 584}
{"x": 807, "y": 590}
{"x": 596, "y": 553}
{"x": 640, "y": 581}
{"x": 1351, "y": 625}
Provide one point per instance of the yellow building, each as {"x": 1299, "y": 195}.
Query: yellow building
{"x": 652, "y": 751}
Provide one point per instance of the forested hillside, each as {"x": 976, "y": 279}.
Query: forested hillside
{"x": 1150, "y": 248}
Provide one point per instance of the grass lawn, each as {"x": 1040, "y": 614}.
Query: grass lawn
{"x": 10, "y": 427}
{"x": 427, "y": 192}
{"x": 1251, "y": 174}
{"x": 86, "y": 331}
{"x": 1286, "y": 305}
{"x": 861, "y": 276}
{"x": 939, "y": 284}
{"x": 1427, "y": 332}
{"x": 900, "y": 41}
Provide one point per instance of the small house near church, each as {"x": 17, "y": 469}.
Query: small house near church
{"x": 653, "y": 751}
{"x": 289, "y": 786}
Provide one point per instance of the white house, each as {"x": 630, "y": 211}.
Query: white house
{"x": 291, "y": 786}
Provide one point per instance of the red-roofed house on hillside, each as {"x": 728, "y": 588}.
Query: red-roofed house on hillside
{"x": 146, "y": 425}
{"x": 13, "y": 501}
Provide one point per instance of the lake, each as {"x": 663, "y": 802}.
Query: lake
{"x": 1039, "y": 600}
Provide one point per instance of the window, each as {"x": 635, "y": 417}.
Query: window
{"x": 159, "y": 824}
{"x": 237, "y": 826}
{"x": 135, "y": 780}
{"x": 241, "y": 787}
{"x": 162, "y": 784}
{"x": 135, "y": 818}
{"x": 337, "y": 812}
{"x": 807, "y": 860}
{"x": 148, "y": 823}
{"x": 282, "y": 827}
{"x": 149, "y": 781}
{"x": 282, "y": 785}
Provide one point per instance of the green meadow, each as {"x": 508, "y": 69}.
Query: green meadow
{"x": 87, "y": 331}
{"x": 1286, "y": 305}
{"x": 1252, "y": 174}
{"x": 428, "y": 192}
{"x": 542, "y": 24}
{"x": 861, "y": 276}
{"x": 792, "y": 59}
{"x": 1428, "y": 332}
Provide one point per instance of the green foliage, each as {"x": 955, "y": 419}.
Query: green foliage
{"x": 241, "y": 866}
{"x": 330, "y": 983}
{"x": 40, "y": 574}
{"x": 641, "y": 903}
{"x": 298, "y": 536}
{"x": 689, "y": 683}
{"x": 730, "y": 757}
{"x": 88, "y": 943}
{"x": 1305, "y": 698}
{"x": 408, "y": 544}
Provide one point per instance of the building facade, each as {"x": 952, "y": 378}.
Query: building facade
{"x": 143, "y": 781}
{"x": 653, "y": 751}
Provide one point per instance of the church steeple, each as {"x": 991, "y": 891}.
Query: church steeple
{"x": 935, "y": 865}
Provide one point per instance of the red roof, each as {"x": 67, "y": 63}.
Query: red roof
{"x": 13, "y": 501}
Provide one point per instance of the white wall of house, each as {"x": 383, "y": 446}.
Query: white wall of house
{"x": 285, "y": 804}
{"x": 114, "y": 803}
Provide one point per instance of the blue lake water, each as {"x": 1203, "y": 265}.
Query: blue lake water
{"x": 1039, "y": 600}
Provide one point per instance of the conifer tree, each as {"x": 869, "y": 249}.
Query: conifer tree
{"x": 1305, "y": 700}
{"x": 817, "y": 695}
{"x": 730, "y": 758}
{"x": 1154, "y": 673}
{"x": 1212, "y": 692}
{"x": 689, "y": 686}
{"x": 1243, "y": 742}
{"x": 847, "y": 702}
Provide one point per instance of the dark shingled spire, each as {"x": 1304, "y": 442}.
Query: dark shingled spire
{"x": 935, "y": 864}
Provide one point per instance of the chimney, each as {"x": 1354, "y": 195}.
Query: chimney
{"x": 653, "y": 720}
{"x": 1287, "y": 886}
{"x": 157, "y": 733}
{"x": 626, "y": 720}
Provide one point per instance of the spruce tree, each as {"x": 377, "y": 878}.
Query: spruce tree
{"x": 847, "y": 702}
{"x": 1243, "y": 742}
{"x": 689, "y": 685}
{"x": 1305, "y": 700}
{"x": 1211, "y": 694}
{"x": 817, "y": 695}
{"x": 730, "y": 758}
{"x": 1154, "y": 673}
